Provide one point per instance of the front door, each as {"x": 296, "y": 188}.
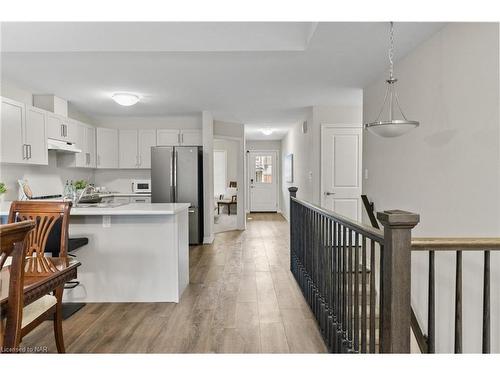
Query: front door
{"x": 341, "y": 171}
{"x": 262, "y": 181}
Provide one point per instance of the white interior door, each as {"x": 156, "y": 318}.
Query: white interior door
{"x": 341, "y": 153}
{"x": 263, "y": 181}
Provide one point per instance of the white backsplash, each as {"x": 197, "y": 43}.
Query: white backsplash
{"x": 119, "y": 179}
{"x": 43, "y": 179}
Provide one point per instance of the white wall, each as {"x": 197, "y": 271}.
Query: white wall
{"x": 208, "y": 175}
{"x": 306, "y": 149}
{"x": 447, "y": 170}
{"x": 43, "y": 179}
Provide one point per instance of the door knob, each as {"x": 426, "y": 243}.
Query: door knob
{"x": 329, "y": 193}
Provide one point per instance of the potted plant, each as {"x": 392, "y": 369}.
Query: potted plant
{"x": 79, "y": 185}
{"x": 3, "y": 190}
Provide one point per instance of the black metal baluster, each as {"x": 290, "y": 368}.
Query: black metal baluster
{"x": 344, "y": 290}
{"x": 380, "y": 300}
{"x": 431, "y": 317}
{"x": 349, "y": 290}
{"x": 356, "y": 293}
{"x": 372, "y": 297}
{"x": 486, "y": 303}
{"x": 339, "y": 288}
{"x": 363, "y": 295}
{"x": 458, "y": 304}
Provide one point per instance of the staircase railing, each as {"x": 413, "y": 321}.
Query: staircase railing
{"x": 427, "y": 343}
{"x": 338, "y": 264}
{"x": 458, "y": 245}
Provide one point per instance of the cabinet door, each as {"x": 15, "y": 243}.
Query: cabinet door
{"x": 35, "y": 135}
{"x": 13, "y": 149}
{"x": 147, "y": 139}
{"x": 107, "y": 148}
{"x": 81, "y": 142}
{"x": 121, "y": 200}
{"x": 90, "y": 149}
{"x": 168, "y": 137}
{"x": 128, "y": 149}
{"x": 70, "y": 130}
{"x": 55, "y": 128}
{"x": 191, "y": 137}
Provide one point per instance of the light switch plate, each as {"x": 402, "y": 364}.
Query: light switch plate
{"x": 106, "y": 221}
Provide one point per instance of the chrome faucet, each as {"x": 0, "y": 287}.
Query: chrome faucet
{"x": 87, "y": 190}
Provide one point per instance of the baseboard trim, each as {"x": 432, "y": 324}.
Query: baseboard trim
{"x": 208, "y": 240}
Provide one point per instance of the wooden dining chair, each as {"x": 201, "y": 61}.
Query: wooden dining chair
{"x": 45, "y": 215}
{"x": 12, "y": 254}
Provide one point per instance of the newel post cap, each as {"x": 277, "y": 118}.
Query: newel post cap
{"x": 398, "y": 218}
{"x": 293, "y": 191}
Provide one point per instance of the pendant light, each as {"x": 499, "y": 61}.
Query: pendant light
{"x": 394, "y": 126}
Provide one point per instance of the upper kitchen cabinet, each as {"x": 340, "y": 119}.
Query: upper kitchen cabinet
{"x": 23, "y": 133}
{"x": 36, "y": 135}
{"x": 61, "y": 128}
{"x": 168, "y": 137}
{"x": 107, "y": 148}
{"x": 182, "y": 137}
{"x": 85, "y": 140}
{"x": 135, "y": 148}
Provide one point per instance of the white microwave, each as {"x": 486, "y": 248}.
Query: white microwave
{"x": 141, "y": 186}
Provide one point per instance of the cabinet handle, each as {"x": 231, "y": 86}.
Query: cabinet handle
{"x": 62, "y": 130}
{"x": 65, "y": 130}
{"x": 24, "y": 152}
{"x": 29, "y": 149}
{"x": 182, "y": 138}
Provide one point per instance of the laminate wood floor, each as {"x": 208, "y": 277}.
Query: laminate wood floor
{"x": 241, "y": 298}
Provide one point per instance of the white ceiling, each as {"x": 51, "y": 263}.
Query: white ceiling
{"x": 259, "y": 73}
{"x": 254, "y": 131}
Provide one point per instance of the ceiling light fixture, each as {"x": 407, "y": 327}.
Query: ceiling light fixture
{"x": 391, "y": 127}
{"x": 125, "y": 99}
{"x": 266, "y": 131}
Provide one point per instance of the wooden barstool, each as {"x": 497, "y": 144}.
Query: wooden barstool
{"x": 45, "y": 215}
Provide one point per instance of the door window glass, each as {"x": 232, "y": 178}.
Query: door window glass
{"x": 264, "y": 169}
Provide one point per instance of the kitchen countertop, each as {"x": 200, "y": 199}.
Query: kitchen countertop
{"x": 126, "y": 209}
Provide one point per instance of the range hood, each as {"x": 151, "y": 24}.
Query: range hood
{"x": 61, "y": 146}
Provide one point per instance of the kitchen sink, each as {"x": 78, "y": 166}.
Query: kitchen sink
{"x": 99, "y": 205}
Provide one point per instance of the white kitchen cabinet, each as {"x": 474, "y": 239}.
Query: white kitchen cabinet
{"x": 147, "y": 139}
{"x": 135, "y": 148}
{"x": 179, "y": 137}
{"x": 61, "y": 128}
{"x": 23, "y": 133}
{"x": 168, "y": 137}
{"x": 191, "y": 137}
{"x": 107, "y": 148}
{"x": 36, "y": 136}
{"x": 127, "y": 147}
{"x": 80, "y": 159}
{"x": 13, "y": 118}
{"x": 90, "y": 135}
{"x": 121, "y": 200}
{"x": 140, "y": 200}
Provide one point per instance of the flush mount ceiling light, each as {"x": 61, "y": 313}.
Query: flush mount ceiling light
{"x": 125, "y": 99}
{"x": 393, "y": 126}
{"x": 266, "y": 131}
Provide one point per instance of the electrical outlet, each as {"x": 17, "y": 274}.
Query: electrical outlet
{"x": 106, "y": 221}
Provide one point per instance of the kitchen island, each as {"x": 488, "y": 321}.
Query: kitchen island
{"x": 137, "y": 252}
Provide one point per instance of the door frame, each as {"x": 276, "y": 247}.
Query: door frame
{"x": 278, "y": 178}
{"x": 241, "y": 194}
{"x": 322, "y": 158}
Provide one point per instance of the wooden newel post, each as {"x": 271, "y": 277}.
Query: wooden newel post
{"x": 396, "y": 280}
{"x": 293, "y": 191}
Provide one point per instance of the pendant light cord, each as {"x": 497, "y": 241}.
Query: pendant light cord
{"x": 391, "y": 51}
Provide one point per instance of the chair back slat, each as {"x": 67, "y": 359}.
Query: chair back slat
{"x": 12, "y": 244}
{"x": 45, "y": 215}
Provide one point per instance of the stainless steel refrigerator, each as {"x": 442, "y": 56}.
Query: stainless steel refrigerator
{"x": 177, "y": 176}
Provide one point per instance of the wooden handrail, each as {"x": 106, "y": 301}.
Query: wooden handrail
{"x": 365, "y": 230}
{"x": 455, "y": 243}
